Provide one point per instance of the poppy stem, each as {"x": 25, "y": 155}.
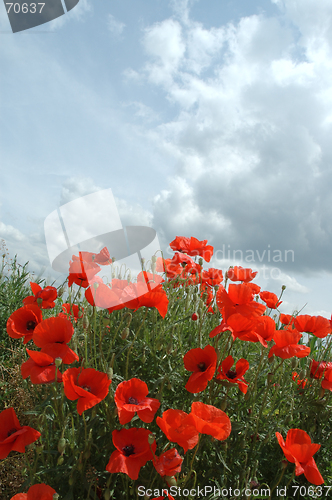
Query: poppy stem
{"x": 132, "y": 343}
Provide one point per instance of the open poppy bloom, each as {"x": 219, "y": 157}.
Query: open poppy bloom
{"x": 299, "y": 449}
{"x": 36, "y": 492}
{"x": 179, "y": 427}
{"x": 239, "y": 299}
{"x": 87, "y": 385}
{"x": 234, "y": 376}
{"x": 238, "y": 273}
{"x": 203, "y": 363}
{"x": 54, "y": 331}
{"x": 286, "y": 344}
{"x": 317, "y": 369}
{"x": 71, "y": 310}
{"x": 270, "y": 299}
{"x": 14, "y": 437}
{"x": 327, "y": 381}
{"x": 317, "y": 325}
{"x": 192, "y": 246}
{"x": 41, "y": 365}
{"x": 81, "y": 272}
{"x": 212, "y": 277}
{"x": 168, "y": 463}
{"x": 132, "y": 451}
{"x": 211, "y": 420}
{"x": 100, "y": 295}
{"x": 103, "y": 257}
{"x": 131, "y": 397}
{"x": 252, "y": 329}
{"x": 22, "y": 322}
{"x": 47, "y": 295}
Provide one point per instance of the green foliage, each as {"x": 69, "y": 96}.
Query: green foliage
{"x": 148, "y": 347}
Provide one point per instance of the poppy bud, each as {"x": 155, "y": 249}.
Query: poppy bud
{"x": 57, "y": 362}
{"x": 283, "y": 287}
{"x": 284, "y": 463}
{"x": 61, "y": 445}
{"x": 294, "y": 363}
{"x": 110, "y": 373}
{"x": 302, "y": 375}
{"x": 61, "y": 291}
{"x": 223, "y": 405}
{"x": 39, "y": 301}
{"x": 151, "y": 438}
{"x": 107, "y": 494}
{"x": 171, "y": 481}
{"x": 130, "y": 317}
{"x": 195, "y": 316}
{"x": 60, "y": 460}
{"x": 106, "y": 321}
{"x": 55, "y": 496}
{"x": 169, "y": 347}
{"x": 71, "y": 481}
{"x": 321, "y": 392}
{"x": 85, "y": 322}
{"x": 125, "y": 333}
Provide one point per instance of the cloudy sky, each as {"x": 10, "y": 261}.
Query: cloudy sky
{"x": 206, "y": 118}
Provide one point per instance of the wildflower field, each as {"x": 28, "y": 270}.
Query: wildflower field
{"x": 188, "y": 383}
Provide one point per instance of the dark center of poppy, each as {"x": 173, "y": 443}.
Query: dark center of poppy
{"x": 201, "y": 367}
{"x": 12, "y": 431}
{"x": 132, "y": 401}
{"x": 128, "y": 450}
{"x": 31, "y": 325}
{"x": 86, "y": 388}
{"x": 231, "y": 374}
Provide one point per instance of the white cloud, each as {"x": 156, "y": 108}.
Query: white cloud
{"x": 115, "y": 27}
{"x": 163, "y": 42}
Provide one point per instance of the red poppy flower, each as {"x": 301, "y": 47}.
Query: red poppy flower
{"x": 47, "y": 295}
{"x": 53, "y": 331}
{"x": 101, "y": 295}
{"x": 203, "y": 363}
{"x": 286, "y": 344}
{"x": 165, "y": 266}
{"x": 41, "y": 365}
{"x": 136, "y": 295}
{"x": 327, "y": 381}
{"x": 81, "y": 272}
{"x": 181, "y": 258}
{"x": 211, "y": 420}
{"x": 255, "y": 329}
{"x": 238, "y": 273}
{"x": 36, "y": 492}
{"x": 317, "y": 369}
{"x": 130, "y": 398}
{"x": 192, "y": 246}
{"x": 72, "y": 310}
{"x": 14, "y": 437}
{"x": 103, "y": 257}
{"x": 300, "y": 382}
{"x": 132, "y": 451}
{"x": 212, "y": 277}
{"x": 168, "y": 463}
{"x": 234, "y": 376}
{"x": 223, "y": 327}
{"x": 299, "y": 449}
{"x": 270, "y": 299}
{"x": 286, "y": 319}
{"x": 23, "y": 322}
{"x": 87, "y": 385}
{"x": 179, "y": 427}
{"x": 239, "y": 299}
{"x": 317, "y": 325}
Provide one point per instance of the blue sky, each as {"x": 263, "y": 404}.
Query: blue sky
{"x": 206, "y": 118}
